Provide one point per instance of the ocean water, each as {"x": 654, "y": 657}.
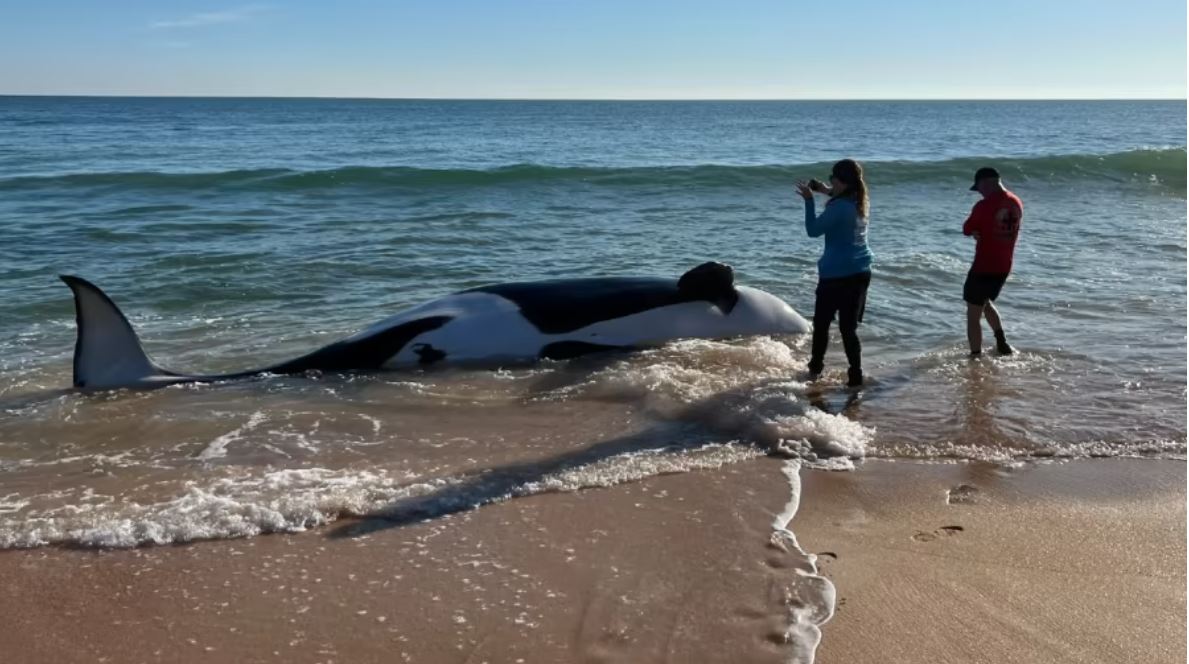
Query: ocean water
{"x": 238, "y": 232}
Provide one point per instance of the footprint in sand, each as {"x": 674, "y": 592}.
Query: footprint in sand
{"x": 823, "y": 559}
{"x": 963, "y": 494}
{"x": 944, "y": 531}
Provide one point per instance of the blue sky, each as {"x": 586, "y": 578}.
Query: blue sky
{"x": 642, "y": 49}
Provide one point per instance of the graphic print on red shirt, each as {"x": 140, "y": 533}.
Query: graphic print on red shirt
{"x": 996, "y": 223}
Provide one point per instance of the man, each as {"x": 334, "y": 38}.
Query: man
{"x": 994, "y": 223}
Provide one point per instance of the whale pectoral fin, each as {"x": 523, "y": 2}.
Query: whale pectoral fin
{"x": 713, "y": 282}
{"x": 727, "y": 301}
{"x": 107, "y": 352}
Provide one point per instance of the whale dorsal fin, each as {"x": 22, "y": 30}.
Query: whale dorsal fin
{"x": 107, "y": 352}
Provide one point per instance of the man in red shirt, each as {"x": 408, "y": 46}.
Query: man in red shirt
{"x": 994, "y": 223}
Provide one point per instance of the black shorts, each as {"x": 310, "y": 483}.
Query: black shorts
{"x": 844, "y": 296}
{"x": 982, "y": 287}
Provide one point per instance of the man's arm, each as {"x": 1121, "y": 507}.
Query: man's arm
{"x": 971, "y": 225}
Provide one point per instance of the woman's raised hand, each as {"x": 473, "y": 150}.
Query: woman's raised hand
{"x": 804, "y": 190}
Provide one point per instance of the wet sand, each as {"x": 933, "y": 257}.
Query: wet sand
{"x": 1075, "y": 562}
{"x": 1080, "y": 561}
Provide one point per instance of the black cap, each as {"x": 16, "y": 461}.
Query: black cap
{"x": 982, "y": 173}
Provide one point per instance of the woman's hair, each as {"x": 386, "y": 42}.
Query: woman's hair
{"x": 850, "y": 173}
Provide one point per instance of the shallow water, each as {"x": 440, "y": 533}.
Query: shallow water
{"x": 239, "y": 232}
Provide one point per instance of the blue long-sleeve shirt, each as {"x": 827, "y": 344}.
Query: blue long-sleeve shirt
{"x": 846, "y": 251}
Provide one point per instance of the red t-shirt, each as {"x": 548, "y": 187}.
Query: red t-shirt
{"x": 996, "y": 221}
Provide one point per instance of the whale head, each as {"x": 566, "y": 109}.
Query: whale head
{"x": 760, "y": 312}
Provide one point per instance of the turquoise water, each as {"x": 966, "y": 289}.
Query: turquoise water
{"x": 236, "y": 232}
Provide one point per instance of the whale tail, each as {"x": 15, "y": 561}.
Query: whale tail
{"x": 107, "y": 352}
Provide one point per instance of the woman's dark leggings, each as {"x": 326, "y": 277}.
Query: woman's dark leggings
{"x": 846, "y": 297}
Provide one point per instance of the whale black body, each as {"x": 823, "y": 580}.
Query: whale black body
{"x": 496, "y": 324}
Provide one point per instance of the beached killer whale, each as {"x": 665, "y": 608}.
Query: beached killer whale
{"x": 503, "y": 323}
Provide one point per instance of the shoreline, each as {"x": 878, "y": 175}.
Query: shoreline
{"x": 1065, "y": 561}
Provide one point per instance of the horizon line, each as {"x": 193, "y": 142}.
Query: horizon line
{"x": 596, "y": 99}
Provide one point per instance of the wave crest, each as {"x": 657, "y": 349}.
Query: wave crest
{"x": 1162, "y": 167}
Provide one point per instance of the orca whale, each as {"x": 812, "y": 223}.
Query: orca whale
{"x": 502, "y": 323}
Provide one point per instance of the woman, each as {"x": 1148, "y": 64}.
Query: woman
{"x": 844, "y": 270}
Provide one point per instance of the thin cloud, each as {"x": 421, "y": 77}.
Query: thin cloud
{"x": 210, "y": 18}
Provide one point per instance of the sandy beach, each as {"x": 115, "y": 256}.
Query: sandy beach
{"x": 1080, "y": 561}
{"x": 1076, "y": 562}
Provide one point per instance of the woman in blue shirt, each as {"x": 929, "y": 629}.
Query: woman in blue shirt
{"x": 844, "y": 270}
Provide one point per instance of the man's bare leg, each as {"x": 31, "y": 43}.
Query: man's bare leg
{"x": 992, "y": 314}
{"x": 974, "y": 328}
